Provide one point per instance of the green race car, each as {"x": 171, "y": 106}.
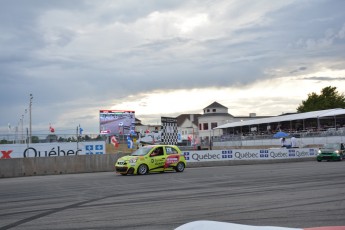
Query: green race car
{"x": 331, "y": 152}
{"x": 152, "y": 158}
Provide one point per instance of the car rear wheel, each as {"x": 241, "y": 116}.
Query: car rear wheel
{"x": 142, "y": 169}
{"x": 180, "y": 167}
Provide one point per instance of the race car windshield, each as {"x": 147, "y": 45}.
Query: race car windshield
{"x": 142, "y": 151}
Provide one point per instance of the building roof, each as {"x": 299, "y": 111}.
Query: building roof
{"x": 181, "y": 118}
{"x": 215, "y": 105}
{"x": 291, "y": 117}
{"x": 216, "y": 114}
{"x": 137, "y": 121}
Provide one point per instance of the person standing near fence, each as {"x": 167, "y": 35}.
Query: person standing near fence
{"x": 294, "y": 143}
{"x": 283, "y": 142}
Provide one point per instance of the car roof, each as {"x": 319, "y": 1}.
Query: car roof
{"x": 160, "y": 145}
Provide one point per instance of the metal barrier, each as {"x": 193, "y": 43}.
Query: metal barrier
{"x": 313, "y": 139}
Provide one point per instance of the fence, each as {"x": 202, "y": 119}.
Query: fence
{"x": 46, "y": 138}
{"x": 304, "y": 139}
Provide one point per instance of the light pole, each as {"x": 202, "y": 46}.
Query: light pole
{"x": 22, "y": 130}
{"x": 30, "y": 130}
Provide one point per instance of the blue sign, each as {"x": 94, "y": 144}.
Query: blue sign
{"x": 90, "y": 149}
{"x": 186, "y": 155}
{"x": 227, "y": 154}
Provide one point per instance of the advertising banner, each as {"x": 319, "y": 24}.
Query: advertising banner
{"x": 53, "y": 149}
{"x": 248, "y": 154}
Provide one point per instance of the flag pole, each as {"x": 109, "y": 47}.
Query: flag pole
{"x": 77, "y": 140}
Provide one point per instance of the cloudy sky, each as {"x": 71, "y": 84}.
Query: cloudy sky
{"x": 164, "y": 58}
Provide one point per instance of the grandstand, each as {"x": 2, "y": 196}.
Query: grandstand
{"x": 322, "y": 123}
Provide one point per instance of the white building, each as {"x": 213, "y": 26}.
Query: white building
{"x": 214, "y": 115}
{"x": 187, "y": 125}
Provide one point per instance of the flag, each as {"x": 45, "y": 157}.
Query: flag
{"x": 81, "y": 130}
{"x": 9, "y": 127}
{"x": 114, "y": 141}
{"x": 51, "y": 129}
{"x": 130, "y": 142}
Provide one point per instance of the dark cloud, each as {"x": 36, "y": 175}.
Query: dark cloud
{"x": 300, "y": 69}
{"x": 327, "y": 79}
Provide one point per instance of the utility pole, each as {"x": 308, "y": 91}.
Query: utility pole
{"x": 22, "y": 130}
{"x": 30, "y": 130}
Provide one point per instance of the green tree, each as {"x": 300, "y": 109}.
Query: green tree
{"x": 99, "y": 137}
{"x": 3, "y": 141}
{"x": 329, "y": 98}
{"x": 35, "y": 139}
{"x": 87, "y": 138}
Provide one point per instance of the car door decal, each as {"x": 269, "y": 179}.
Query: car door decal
{"x": 172, "y": 159}
{"x": 157, "y": 162}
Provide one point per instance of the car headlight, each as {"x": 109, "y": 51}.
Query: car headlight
{"x": 134, "y": 160}
{"x": 319, "y": 152}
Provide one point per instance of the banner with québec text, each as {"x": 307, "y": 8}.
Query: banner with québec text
{"x": 53, "y": 149}
{"x": 249, "y": 154}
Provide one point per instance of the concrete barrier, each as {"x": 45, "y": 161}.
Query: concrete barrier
{"x": 18, "y": 167}
{"x": 244, "y": 162}
{"x": 39, "y": 166}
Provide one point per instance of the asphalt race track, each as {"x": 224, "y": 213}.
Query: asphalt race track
{"x": 299, "y": 194}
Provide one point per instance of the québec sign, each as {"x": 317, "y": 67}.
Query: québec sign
{"x": 248, "y": 154}
{"x": 53, "y": 149}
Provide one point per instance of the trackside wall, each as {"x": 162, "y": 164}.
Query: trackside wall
{"x": 54, "y": 165}
{"x": 18, "y": 167}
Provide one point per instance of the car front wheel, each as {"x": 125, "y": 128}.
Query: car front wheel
{"x": 180, "y": 167}
{"x": 142, "y": 169}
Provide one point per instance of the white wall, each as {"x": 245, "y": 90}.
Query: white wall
{"x": 219, "y": 119}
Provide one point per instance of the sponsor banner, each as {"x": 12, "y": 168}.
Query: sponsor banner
{"x": 248, "y": 154}
{"x": 53, "y": 149}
